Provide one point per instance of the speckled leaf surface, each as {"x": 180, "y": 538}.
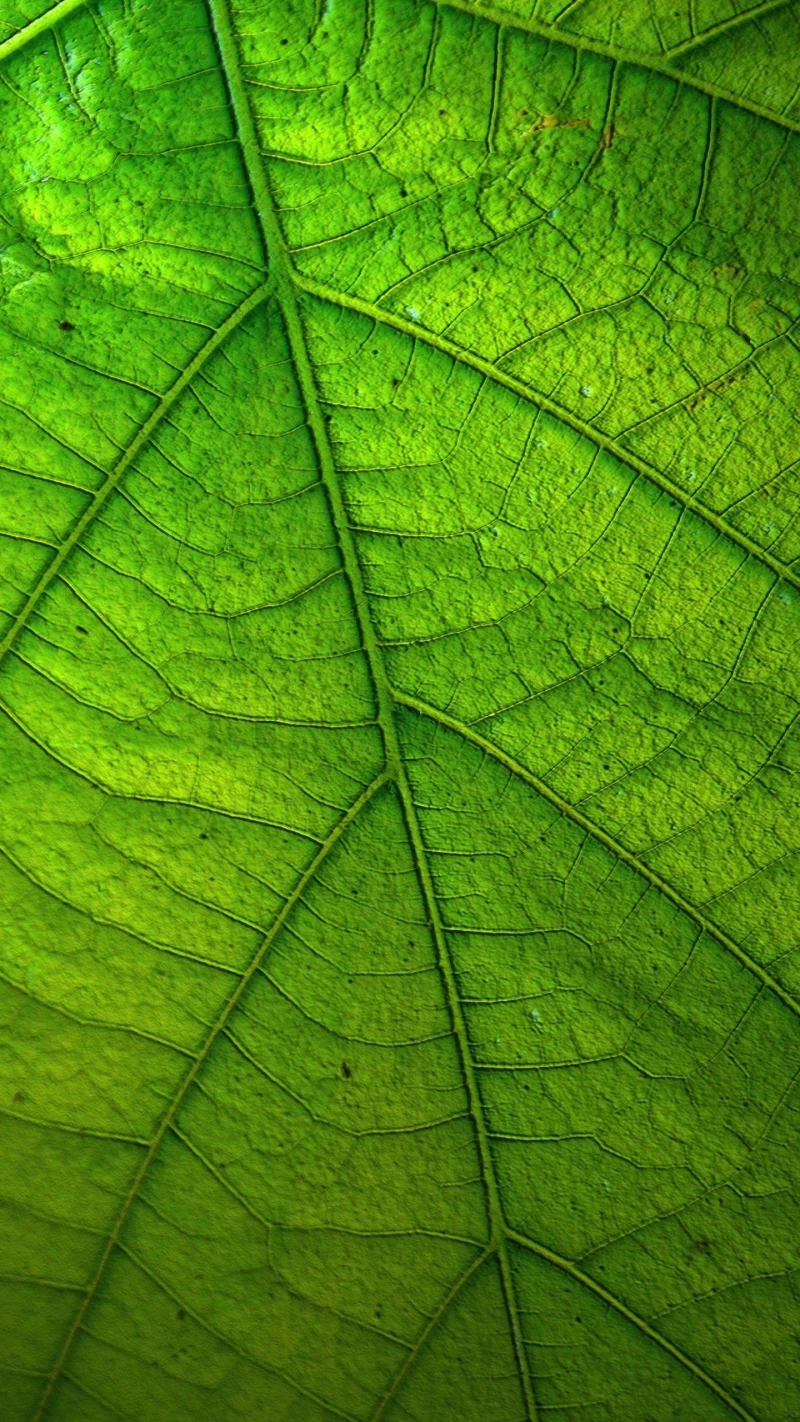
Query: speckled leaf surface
{"x": 399, "y": 691}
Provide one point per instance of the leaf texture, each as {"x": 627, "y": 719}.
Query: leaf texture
{"x": 399, "y": 690}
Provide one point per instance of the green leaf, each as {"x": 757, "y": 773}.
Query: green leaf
{"x": 399, "y": 737}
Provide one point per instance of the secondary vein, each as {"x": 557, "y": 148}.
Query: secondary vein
{"x": 656, "y": 65}
{"x": 567, "y": 1266}
{"x": 542, "y": 402}
{"x": 116, "y": 474}
{"x": 188, "y": 1080}
{"x": 734, "y": 22}
{"x": 571, "y": 812}
{"x": 39, "y": 26}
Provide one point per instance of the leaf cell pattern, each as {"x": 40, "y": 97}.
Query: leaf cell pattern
{"x": 399, "y": 604}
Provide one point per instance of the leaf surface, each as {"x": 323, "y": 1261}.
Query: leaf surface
{"x": 400, "y": 599}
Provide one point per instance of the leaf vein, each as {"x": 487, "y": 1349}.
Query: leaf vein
{"x": 113, "y": 478}
{"x": 543, "y": 402}
{"x": 624, "y": 855}
{"x": 187, "y": 1082}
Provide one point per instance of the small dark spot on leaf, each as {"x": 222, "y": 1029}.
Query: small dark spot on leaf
{"x": 442, "y": 112}
{"x": 374, "y": 352}
{"x": 84, "y": 630}
{"x": 578, "y": 1318}
{"x": 65, "y": 326}
{"x": 403, "y": 192}
{"x": 346, "y": 1072}
{"x": 181, "y": 1314}
{"x": 284, "y": 42}
{"x": 19, "y": 1097}
{"x": 203, "y": 835}
{"x": 137, "y": 202}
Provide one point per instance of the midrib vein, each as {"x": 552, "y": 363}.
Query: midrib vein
{"x": 287, "y": 298}
{"x": 571, "y": 812}
{"x": 116, "y": 474}
{"x": 493, "y": 372}
{"x": 188, "y": 1080}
